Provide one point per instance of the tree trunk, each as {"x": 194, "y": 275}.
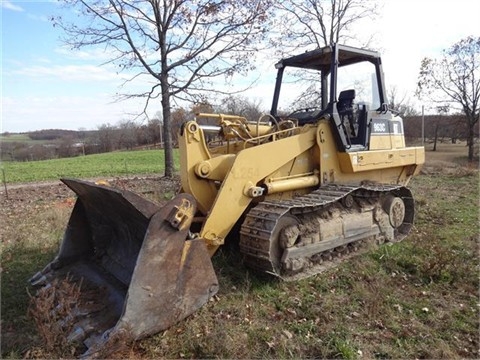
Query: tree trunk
{"x": 470, "y": 141}
{"x": 167, "y": 129}
{"x": 435, "y": 138}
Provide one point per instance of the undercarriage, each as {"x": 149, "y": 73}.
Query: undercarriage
{"x": 300, "y": 237}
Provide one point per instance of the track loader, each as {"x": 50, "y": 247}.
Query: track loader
{"x": 303, "y": 189}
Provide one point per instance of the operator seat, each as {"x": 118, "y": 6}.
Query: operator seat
{"x": 346, "y": 112}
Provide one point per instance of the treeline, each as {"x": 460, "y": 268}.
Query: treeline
{"x": 451, "y": 128}
{"x": 130, "y": 135}
{"x": 54, "y": 134}
{"x": 125, "y": 135}
{"x": 56, "y": 143}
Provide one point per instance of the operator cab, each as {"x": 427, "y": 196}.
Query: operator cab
{"x": 341, "y": 83}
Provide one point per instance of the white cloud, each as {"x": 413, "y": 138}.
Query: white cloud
{"x": 43, "y": 60}
{"x": 99, "y": 55}
{"x": 43, "y": 18}
{"x": 10, "y": 6}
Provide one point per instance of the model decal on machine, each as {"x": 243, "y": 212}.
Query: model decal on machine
{"x": 384, "y": 127}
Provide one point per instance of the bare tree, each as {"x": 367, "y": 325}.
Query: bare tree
{"x": 455, "y": 79}
{"x": 181, "y": 44}
{"x": 319, "y": 23}
{"x": 203, "y": 106}
{"x": 400, "y": 103}
{"x": 242, "y": 106}
{"x": 154, "y": 129}
{"x": 126, "y": 134}
{"x": 309, "y": 24}
{"x": 106, "y": 137}
{"x": 179, "y": 116}
{"x": 66, "y": 147}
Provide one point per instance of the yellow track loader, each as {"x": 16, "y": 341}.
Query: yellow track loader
{"x": 305, "y": 188}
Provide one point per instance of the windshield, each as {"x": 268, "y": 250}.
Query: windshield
{"x": 301, "y": 88}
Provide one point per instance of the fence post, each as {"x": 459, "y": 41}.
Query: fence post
{"x": 4, "y": 179}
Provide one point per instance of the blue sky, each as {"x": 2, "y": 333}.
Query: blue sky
{"x": 46, "y": 85}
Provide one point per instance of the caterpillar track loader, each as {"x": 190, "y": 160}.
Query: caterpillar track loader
{"x": 306, "y": 188}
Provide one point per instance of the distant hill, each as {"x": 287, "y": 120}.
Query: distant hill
{"x": 53, "y": 134}
{"x": 47, "y": 134}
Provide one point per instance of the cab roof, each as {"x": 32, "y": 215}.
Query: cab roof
{"x": 320, "y": 59}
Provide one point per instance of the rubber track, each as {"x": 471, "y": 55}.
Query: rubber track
{"x": 259, "y": 224}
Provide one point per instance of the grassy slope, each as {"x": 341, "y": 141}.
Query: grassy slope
{"x": 122, "y": 163}
{"x": 414, "y": 299}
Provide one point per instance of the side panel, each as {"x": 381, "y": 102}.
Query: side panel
{"x": 380, "y": 159}
{"x": 387, "y": 166}
{"x": 386, "y": 132}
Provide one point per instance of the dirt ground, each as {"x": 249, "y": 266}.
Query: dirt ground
{"x": 20, "y": 199}
{"x": 58, "y": 190}
{"x": 452, "y": 155}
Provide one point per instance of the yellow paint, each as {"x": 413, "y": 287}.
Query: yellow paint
{"x": 225, "y": 180}
{"x": 375, "y": 159}
{"x": 293, "y": 183}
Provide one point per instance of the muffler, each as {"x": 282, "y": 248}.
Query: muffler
{"x": 134, "y": 256}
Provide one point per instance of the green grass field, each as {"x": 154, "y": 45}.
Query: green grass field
{"x": 17, "y": 138}
{"x": 114, "y": 164}
{"x": 23, "y": 138}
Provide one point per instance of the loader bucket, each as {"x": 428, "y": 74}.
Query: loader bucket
{"x": 137, "y": 270}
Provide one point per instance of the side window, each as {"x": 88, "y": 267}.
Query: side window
{"x": 362, "y": 78}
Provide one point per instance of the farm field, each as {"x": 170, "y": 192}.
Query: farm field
{"x": 18, "y": 138}
{"x": 113, "y": 164}
{"x": 414, "y": 299}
